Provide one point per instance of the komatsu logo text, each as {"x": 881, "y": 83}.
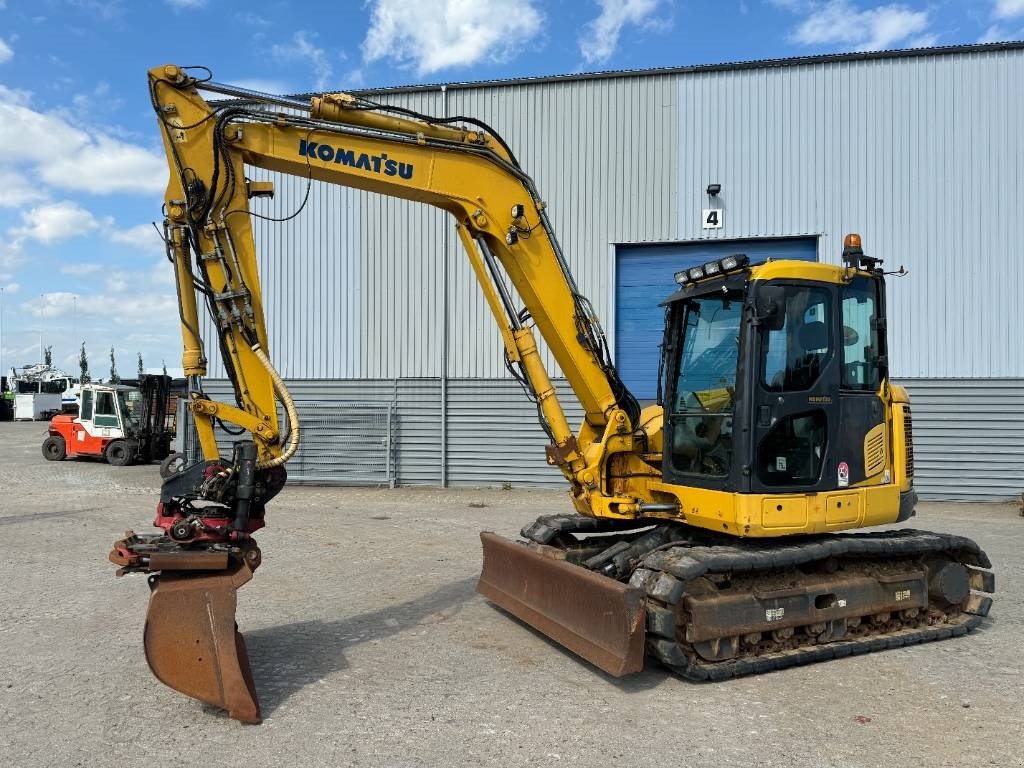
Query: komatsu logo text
{"x": 381, "y": 163}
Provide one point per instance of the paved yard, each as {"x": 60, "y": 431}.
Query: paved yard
{"x": 370, "y": 648}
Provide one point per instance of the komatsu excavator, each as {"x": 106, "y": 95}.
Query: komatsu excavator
{"x": 707, "y": 529}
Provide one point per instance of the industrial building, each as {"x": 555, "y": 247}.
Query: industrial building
{"x": 378, "y": 325}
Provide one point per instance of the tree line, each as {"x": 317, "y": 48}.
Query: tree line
{"x": 85, "y": 376}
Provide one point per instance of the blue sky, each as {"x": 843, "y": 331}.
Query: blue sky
{"x": 82, "y": 173}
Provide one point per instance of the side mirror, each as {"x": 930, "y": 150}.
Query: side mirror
{"x": 770, "y": 307}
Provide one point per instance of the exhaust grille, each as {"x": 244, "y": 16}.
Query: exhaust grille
{"x": 908, "y": 436}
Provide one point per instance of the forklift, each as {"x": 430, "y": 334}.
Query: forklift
{"x": 121, "y": 424}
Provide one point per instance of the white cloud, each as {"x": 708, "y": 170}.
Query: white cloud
{"x": 99, "y": 101}
{"x": 600, "y": 37}
{"x": 69, "y": 157}
{"x": 14, "y": 95}
{"x": 142, "y": 237}
{"x": 451, "y": 33}
{"x": 840, "y": 22}
{"x": 131, "y": 309}
{"x": 927, "y": 40}
{"x": 1008, "y": 9}
{"x": 252, "y": 19}
{"x": 6, "y": 54}
{"x": 50, "y": 304}
{"x": 11, "y": 255}
{"x": 162, "y": 274}
{"x": 53, "y": 222}
{"x": 186, "y": 4}
{"x": 16, "y": 190}
{"x": 105, "y": 166}
{"x": 301, "y": 48}
{"x": 80, "y": 270}
{"x": 263, "y": 86}
{"x": 106, "y": 9}
{"x": 11, "y": 288}
{"x": 993, "y": 34}
{"x": 117, "y": 281}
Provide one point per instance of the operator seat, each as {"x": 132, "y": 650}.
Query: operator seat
{"x": 813, "y": 340}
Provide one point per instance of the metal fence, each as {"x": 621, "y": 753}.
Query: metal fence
{"x": 343, "y": 443}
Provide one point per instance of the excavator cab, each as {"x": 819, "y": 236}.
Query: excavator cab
{"x": 776, "y": 382}
{"x": 774, "y": 376}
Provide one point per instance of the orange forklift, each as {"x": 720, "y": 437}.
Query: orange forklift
{"x": 118, "y": 423}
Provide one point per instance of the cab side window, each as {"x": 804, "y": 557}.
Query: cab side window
{"x": 795, "y": 354}
{"x": 860, "y": 336}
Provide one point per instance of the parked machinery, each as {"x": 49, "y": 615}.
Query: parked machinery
{"x": 46, "y": 381}
{"x": 118, "y": 423}
{"x": 708, "y": 528}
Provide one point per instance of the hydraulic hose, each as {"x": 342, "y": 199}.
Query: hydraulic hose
{"x": 291, "y": 414}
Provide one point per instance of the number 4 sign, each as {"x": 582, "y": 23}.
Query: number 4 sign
{"x": 712, "y": 218}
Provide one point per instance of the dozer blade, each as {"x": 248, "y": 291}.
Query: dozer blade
{"x": 593, "y": 616}
{"x": 193, "y": 644}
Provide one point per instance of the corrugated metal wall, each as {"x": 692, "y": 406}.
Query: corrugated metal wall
{"x": 603, "y": 155}
{"x": 968, "y": 433}
{"x": 493, "y": 434}
{"x": 968, "y": 437}
{"x": 919, "y": 154}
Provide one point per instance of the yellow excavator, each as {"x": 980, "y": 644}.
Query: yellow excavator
{"x": 706, "y": 529}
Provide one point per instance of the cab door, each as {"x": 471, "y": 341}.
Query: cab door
{"x": 106, "y": 423}
{"x": 796, "y": 422}
{"x": 863, "y": 433}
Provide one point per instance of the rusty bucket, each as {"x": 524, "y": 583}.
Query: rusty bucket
{"x": 192, "y": 641}
{"x": 593, "y": 616}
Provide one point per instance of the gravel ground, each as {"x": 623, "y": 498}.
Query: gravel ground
{"x": 370, "y": 648}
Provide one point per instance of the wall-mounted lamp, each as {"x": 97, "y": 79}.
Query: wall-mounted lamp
{"x": 714, "y": 189}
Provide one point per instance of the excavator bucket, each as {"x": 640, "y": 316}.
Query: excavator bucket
{"x": 192, "y": 641}
{"x": 593, "y": 616}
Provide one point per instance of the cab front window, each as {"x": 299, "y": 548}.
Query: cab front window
{"x": 702, "y": 408}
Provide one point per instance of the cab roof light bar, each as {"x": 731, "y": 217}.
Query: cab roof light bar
{"x": 712, "y": 269}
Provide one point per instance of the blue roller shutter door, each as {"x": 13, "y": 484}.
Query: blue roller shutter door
{"x": 643, "y": 275}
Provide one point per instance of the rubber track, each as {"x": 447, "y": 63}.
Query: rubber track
{"x": 662, "y": 575}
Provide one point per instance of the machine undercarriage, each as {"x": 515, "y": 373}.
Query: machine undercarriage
{"x": 713, "y": 607}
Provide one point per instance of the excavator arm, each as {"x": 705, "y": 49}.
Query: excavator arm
{"x": 467, "y": 171}
{"x": 209, "y": 511}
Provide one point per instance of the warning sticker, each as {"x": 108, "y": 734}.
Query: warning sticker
{"x": 844, "y": 474}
